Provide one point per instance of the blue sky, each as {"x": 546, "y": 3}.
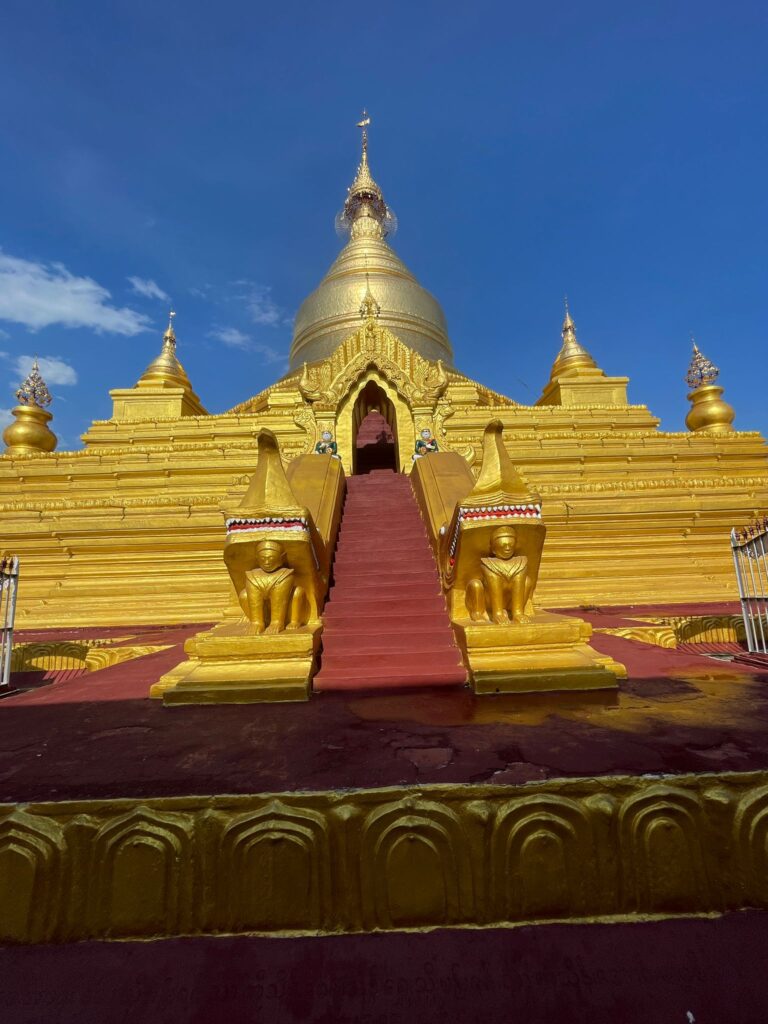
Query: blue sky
{"x": 197, "y": 153}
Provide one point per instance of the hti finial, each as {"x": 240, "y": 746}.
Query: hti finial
{"x": 363, "y": 123}
{"x": 169, "y": 338}
{"x": 701, "y": 371}
{"x": 365, "y": 214}
{"x": 568, "y": 324}
{"x": 34, "y": 390}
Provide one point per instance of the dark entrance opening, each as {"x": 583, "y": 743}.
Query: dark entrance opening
{"x": 375, "y": 444}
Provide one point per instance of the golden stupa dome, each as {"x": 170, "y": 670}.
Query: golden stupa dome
{"x": 332, "y": 311}
{"x": 166, "y": 370}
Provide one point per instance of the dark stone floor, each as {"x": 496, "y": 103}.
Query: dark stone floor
{"x": 683, "y": 971}
{"x": 97, "y": 735}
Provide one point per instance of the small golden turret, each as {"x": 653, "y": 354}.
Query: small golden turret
{"x": 572, "y": 356}
{"x": 163, "y": 391}
{"x": 29, "y": 431}
{"x": 166, "y": 368}
{"x": 576, "y": 379}
{"x": 708, "y": 410}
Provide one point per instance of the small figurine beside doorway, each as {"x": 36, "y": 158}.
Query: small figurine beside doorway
{"x": 425, "y": 444}
{"x": 326, "y": 445}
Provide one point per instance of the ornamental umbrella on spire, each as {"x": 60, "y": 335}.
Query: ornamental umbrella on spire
{"x": 702, "y": 371}
{"x": 34, "y": 390}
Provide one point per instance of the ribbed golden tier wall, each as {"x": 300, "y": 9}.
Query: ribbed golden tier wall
{"x": 130, "y": 530}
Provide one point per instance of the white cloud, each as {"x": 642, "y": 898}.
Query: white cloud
{"x": 230, "y": 336}
{"x": 4, "y": 334}
{"x": 263, "y": 309}
{"x": 269, "y": 354}
{"x": 52, "y": 369}
{"x": 235, "y": 338}
{"x": 41, "y": 295}
{"x": 258, "y": 300}
{"x": 148, "y": 288}
{"x": 6, "y": 417}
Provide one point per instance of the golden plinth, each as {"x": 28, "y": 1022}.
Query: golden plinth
{"x": 278, "y": 551}
{"x": 550, "y": 653}
{"x": 231, "y": 665}
{"x": 488, "y": 538}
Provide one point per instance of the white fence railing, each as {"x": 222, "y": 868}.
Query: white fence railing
{"x": 9, "y": 584}
{"x": 750, "y": 557}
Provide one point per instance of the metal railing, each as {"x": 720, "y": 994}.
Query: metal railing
{"x": 750, "y": 557}
{"x": 9, "y": 584}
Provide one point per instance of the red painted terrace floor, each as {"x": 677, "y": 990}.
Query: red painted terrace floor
{"x": 98, "y": 735}
{"x": 694, "y": 971}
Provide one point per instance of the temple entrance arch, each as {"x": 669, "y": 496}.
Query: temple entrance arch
{"x": 374, "y": 431}
{"x": 391, "y": 438}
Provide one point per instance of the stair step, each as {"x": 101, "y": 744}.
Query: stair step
{"x": 377, "y": 645}
{"x": 393, "y": 565}
{"x": 405, "y": 576}
{"x": 385, "y": 594}
{"x": 388, "y": 680}
{"x": 432, "y": 654}
{"x": 403, "y": 545}
{"x": 361, "y": 605}
{"x": 351, "y": 624}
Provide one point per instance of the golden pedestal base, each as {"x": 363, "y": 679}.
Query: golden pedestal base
{"x": 231, "y": 664}
{"x": 547, "y": 654}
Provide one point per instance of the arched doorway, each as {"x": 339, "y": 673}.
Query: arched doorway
{"x": 374, "y": 431}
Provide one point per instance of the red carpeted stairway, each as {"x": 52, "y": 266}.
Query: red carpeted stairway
{"x": 386, "y": 624}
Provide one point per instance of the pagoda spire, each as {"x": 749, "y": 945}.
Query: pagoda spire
{"x": 572, "y": 356}
{"x": 708, "y": 409}
{"x": 29, "y": 431}
{"x": 365, "y": 213}
{"x": 166, "y": 369}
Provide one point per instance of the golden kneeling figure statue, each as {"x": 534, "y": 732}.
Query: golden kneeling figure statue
{"x": 270, "y": 593}
{"x": 505, "y": 586}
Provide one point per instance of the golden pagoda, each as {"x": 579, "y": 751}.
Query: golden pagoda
{"x": 377, "y": 522}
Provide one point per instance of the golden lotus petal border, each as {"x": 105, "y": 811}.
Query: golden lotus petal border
{"x": 378, "y": 859}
